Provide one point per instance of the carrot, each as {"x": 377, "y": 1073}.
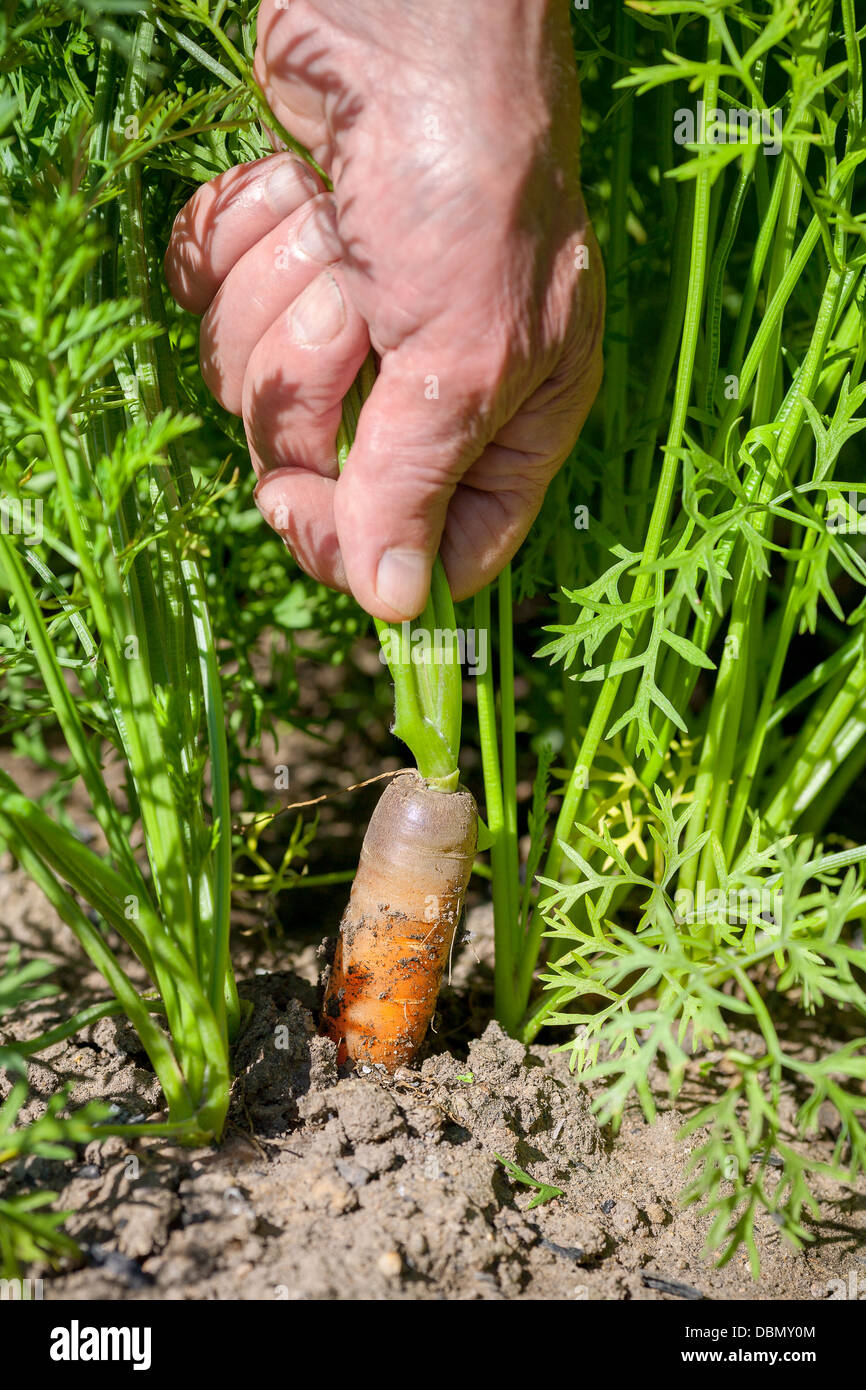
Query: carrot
{"x": 398, "y": 928}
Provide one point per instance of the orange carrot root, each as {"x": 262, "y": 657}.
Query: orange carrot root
{"x": 398, "y": 928}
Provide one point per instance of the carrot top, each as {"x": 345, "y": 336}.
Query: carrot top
{"x": 428, "y": 700}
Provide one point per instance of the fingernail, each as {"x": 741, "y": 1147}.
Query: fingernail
{"x": 275, "y": 513}
{"x": 318, "y": 314}
{"x": 317, "y": 236}
{"x": 289, "y": 184}
{"x": 403, "y": 580}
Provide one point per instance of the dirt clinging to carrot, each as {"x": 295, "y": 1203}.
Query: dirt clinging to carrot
{"x": 398, "y": 928}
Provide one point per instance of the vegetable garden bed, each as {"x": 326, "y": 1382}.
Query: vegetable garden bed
{"x": 656, "y": 1060}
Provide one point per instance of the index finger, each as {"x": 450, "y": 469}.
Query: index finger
{"x": 226, "y": 217}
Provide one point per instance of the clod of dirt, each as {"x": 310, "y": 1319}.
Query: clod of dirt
{"x": 280, "y": 1055}
{"x": 117, "y": 1036}
{"x": 368, "y": 1113}
{"x": 531, "y": 1116}
{"x": 128, "y": 1206}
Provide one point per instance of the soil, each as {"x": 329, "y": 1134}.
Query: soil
{"x": 355, "y": 1185}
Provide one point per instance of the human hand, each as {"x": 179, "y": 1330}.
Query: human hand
{"x": 456, "y": 241}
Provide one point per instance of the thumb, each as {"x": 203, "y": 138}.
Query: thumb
{"x": 411, "y": 448}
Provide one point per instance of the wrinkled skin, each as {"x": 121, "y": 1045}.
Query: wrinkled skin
{"x": 456, "y": 241}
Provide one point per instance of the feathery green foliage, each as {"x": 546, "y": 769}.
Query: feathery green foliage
{"x": 711, "y": 615}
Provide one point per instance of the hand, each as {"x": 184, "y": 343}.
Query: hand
{"x": 456, "y": 241}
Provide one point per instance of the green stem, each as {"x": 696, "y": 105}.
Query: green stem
{"x": 616, "y": 272}
{"x": 665, "y": 355}
{"x": 184, "y": 602}
{"x": 836, "y": 725}
{"x": 845, "y": 772}
{"x": 428, "y": 693}
{"x": 503, "y": 969}
{"x": 564, "y": 565}
{"x": 509, "y": 745}
{"x": 717, "y": 278}
{"x": 111, "y": 1008}
{"x": 722, "y": 736}
{"x": 153, "y": 1039}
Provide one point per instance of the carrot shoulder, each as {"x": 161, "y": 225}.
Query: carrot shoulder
{"x": 397, "y": 930}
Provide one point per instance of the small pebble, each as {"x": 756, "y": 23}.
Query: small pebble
{"x": 390, "y": 1263}
{"x": 405, "y": 1075}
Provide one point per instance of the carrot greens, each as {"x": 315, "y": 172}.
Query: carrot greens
{"x": 712, "y": 712}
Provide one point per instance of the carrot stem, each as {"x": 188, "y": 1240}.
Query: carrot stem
{"x": 509, "y": 749}
{"x": 503, "y": 928}
{"x": 423, "y": 655}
